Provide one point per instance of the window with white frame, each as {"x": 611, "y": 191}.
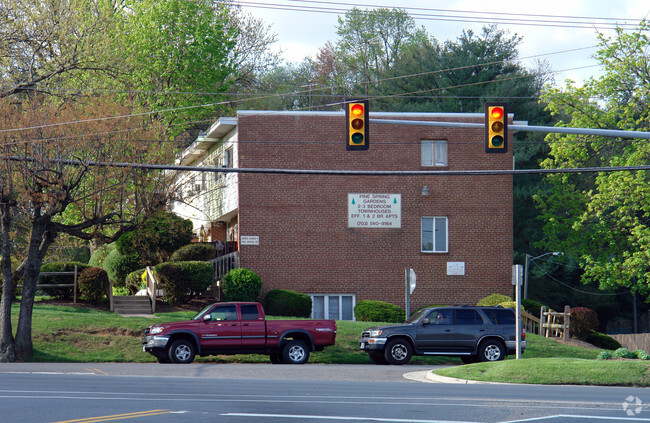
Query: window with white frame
{"x": 434, "y": 153}
{"x": 434, "y": 235}
{"x": 332, "y": 306}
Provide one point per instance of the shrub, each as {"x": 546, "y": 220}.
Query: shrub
{"x": 172, "y": 280}
{"x": 601, "y": 340}
{"x": 98, "y": 258}
{"x": 378, "y": 311}
{"x": 492, "y": 300}
{"x": 508, "y": 304}
{"x": 118, "y": 266}
{"x": 134, "y": 281}
{"x": 93, "y": 282}
{"x": 641, "y": 355}
{"x": 182, "y": 280}
{"x": 61, "y": 266}
{"x": 532, "y": 306}
{"x": 241, "y": 285}
{"x": 194, "y": 252}
{"x": 583, "y": 321}
{"x": 282, "y": 302}
{"x": 605, "y": 355}
{"x": 623, "y": 353}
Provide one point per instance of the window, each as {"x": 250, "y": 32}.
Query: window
{"x": 249, "y": 312}
{"x": 332, "y": 306}
{"x": 224, "y": 313}
{"x": 441, "y": 317}
{"x": 434, "y": 235}
{"x": 434, "y": 153}
{"x": 468, "y": 317}
{"x": 501, "y": 317}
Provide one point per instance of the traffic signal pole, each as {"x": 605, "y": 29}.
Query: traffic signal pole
{"x": 611, "y": 133}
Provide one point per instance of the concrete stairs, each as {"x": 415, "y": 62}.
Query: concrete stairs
{"x": 131, "y": 305}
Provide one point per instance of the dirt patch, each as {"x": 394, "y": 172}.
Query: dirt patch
{"x": 196, "y": 304}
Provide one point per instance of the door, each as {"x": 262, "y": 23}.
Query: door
{"x": 223, "y": 330}
{"x": 253, "y": 327}
{"x": 469, "y": 329}
{"x": 438, "y": 334}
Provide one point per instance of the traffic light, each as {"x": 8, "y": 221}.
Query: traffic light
{"x": 496, "y": 127}
{"x": 356, "y": 116}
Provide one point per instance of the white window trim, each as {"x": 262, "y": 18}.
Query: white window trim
{"x": 435, "y": 160}
{"x": 326, "y": 305}
{"x": 446, "y": 250}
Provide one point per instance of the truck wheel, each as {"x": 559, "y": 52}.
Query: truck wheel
{"x": 491, "y": 350}
{"x": 398, "y": 351}
{"x": 377, "y": 358}
{"x": 181, "y": 351}
{"x": 295, "y": 352}
{"x": 276, "y": 358}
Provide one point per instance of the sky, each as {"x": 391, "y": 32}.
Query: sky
{"x": 567, "y": 25}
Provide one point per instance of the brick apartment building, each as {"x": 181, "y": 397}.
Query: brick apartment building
{"x": 346, "y": 238}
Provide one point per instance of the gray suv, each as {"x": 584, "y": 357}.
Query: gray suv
{"x": 472, "y": 333}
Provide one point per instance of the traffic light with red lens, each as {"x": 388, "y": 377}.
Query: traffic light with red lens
{"x": 356, "y": 116}
{"x": 496, "y": 127}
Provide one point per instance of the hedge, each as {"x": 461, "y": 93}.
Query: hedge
{"x": 378, "y": 311}
{"x": 282, "y": 302}
{"x": 241, "y": 285}
{"x": 194, "y": 252}
{"x": 182, "y": 280}
{"x": 93, "y": 283}
{"x": 493, "y": 300}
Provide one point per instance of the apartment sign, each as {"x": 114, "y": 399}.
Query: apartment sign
{"x": 374, "y": 210}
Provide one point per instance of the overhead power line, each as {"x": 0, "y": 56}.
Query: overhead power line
{"x": 328, "y": 172}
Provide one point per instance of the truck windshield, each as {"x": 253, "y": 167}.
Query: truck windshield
{"x": 202, "y": 312}
{"x": 416, "y": 316}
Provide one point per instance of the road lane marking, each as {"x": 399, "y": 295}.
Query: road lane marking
{"x": 117, "y": 417}
{"x": 95, "y": 371}
{"x": 356, "y": 419}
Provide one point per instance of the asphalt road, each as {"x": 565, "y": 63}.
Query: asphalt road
{"x": 242, "y": 393}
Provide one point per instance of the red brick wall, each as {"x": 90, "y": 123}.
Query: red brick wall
{"x": 301, "y": 220}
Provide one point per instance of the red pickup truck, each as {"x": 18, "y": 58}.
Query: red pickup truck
{"x": 238, "y": 328}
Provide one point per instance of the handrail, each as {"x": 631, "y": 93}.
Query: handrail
{"x": 152, "y": 288}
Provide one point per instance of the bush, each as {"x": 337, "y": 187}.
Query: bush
{"x": 241, "y": 285}
{"x": 98, "y": 258}
{"x": 182, "y": 280}
{"x": 67, "y": 266}
{"x": 118, "y": 266}
{"x": 492, "y": 300}
{"x": 282, "y": 302}
{"x": 601, "y": 340}
{"x": 134, "y": 281}
{"x": 378, "y": 311}
{"x": 93, "y": 282}
{"x": 194, "y": 252}
{"x": 605, "y": 355}
{"x": 533, "y": 307}
{"x": 641, "y": 355}
{"x": 583, "y": 321}
{"x": 623, "y": 353}
{"x": 508, "y": 304}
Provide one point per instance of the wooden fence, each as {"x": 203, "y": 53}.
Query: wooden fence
{"x": 634, "y": 341}
{"x": 73, "y": 285}
{"x": 549, "y": 323}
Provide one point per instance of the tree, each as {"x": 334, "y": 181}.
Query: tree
{"x": 43, "y": 43}
{"x": 48, "y": 179}
{"x": 603, "y": 219}
{"x": 156, "y": 237}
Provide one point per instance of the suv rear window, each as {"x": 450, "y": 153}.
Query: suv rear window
{"x": 468, "y": 317}
{"x": 500, "y": 317}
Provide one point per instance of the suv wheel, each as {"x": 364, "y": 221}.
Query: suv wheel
{"x": 398, "y": 351}
{"x": 491, "y": 350}
{"x": 181, "y": 351}
{"x": 295, "y": 352}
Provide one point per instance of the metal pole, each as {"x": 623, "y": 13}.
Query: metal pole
{"x": 526, "y": 276}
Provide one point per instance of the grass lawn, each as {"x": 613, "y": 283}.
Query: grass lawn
{"x": 63, "y": 333}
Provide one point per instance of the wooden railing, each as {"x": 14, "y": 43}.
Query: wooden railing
{"x": 152, "y": 288}
{"x": 73, "y": 285}
{"x": 549, "y": 323}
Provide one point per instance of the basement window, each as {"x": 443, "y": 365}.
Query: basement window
{"x": 332, "y": 306}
